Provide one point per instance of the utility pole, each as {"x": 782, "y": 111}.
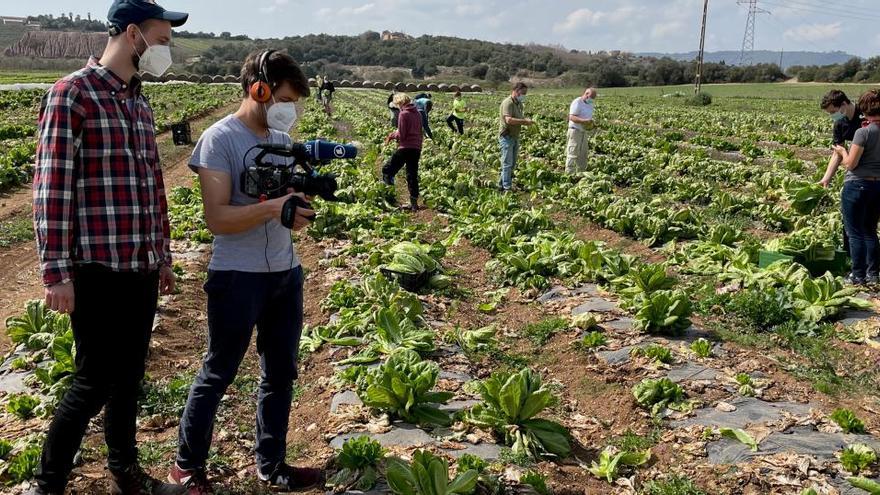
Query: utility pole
{"x": 748, "y": 46}
{"x": 781, "y": 52}
{"x": 699, "y": 82}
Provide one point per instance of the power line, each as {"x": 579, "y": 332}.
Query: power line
{"x": 802, "y": 7}
{"x": 827, "y": 7}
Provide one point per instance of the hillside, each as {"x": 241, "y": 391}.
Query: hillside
{"x": 789, "y": 59}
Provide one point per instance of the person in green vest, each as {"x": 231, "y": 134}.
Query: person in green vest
{"x": 459, "y": 107}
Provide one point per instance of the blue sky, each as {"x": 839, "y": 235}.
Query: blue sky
{"x": 633, "y": 25}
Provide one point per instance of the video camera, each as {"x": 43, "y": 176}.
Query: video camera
{"x": 266, "y": 181}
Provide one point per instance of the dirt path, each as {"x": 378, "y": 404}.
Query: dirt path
{"x": 19, "y": 265}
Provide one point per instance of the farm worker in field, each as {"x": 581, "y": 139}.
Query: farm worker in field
{"x": 103, "y": 238}
{"x": 327, "y": 89}
{"x": 580, "y": 121}
{"x": 392, "y": 107}
{"x": 847, "y": 119}
{"x": 860, "y": 198}
{"x": 424, "y": 105}
{"x": 459, "y": 107}
{"x": 409, "y": 148}
{"x": 319, "y": 83}
{"x": 254, "y": 278}
{"x": 510, "y": 123}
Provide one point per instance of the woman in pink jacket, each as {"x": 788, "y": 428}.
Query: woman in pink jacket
{"x": 409, "y": 148}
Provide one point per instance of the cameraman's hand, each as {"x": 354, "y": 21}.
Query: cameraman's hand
{"x": 275, "y": 206}
{"x": 299, "y": 219}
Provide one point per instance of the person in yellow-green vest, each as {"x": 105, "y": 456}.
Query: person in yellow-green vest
{"x": 459, "y": 107}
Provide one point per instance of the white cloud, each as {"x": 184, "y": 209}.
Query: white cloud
{"x": 469, "y": 9}
{"x": 814, "y": 32}
{"x": 274, "y": 6}
{"x": 666, "y": 29}
{"x": 582, "y": 18}
{"x": 343, "y": 12}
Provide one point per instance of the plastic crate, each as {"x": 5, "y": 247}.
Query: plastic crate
{"x": 181, "y": 133}
{"x": 408, "y": 281}
{"x": 836, "y": 266}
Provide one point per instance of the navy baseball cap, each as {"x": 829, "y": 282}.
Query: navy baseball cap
{"x": 125, "y": 12}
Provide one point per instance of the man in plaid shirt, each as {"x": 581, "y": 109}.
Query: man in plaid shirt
{"x": 101, "y": 223}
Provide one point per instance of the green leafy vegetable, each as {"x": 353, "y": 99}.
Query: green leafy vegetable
{"x": 741, "y": 436}
{"x": 359, "y": 460}
{"x": 510, "y": 403}
{"x": 427, "y": 475}
{"x": 857, "y": 457}
{"x": 847, "y": 420}
{"x": 402, "y": 387}
{"x": 701, "y": 347}
{"x": 657, "y": 394}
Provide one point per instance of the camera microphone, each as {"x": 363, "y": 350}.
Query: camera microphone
{"x": 319, "y": 150}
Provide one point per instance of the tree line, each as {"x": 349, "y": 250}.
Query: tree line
{"x": 855, "y": 70}
{"x": 481, "y": 60}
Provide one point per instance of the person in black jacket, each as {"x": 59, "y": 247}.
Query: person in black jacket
{"x": 847, "y": 119}
{"x": 395, "y": 111}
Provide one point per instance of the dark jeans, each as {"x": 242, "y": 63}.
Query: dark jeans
{"x": 860, "y": 203}
{"x": 426, "y": 126}
{"x": 112, "y": 321}
{"x": 458, "y": 123}
{"x": 410, "y": 158}
{"x": 237, "y": 301}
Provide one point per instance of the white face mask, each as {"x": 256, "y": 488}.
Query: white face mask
{"x": 156, "y": 59}
{"x": 281, "y": 116}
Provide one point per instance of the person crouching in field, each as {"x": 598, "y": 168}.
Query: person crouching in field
{"x": 580, "y": 121}
{"x": 860, "y": 199}
{"x": 409, "y": 148}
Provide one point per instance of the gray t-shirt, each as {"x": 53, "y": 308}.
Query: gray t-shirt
{"x": 869, "y": 165}
{"x": 226, "y": 147}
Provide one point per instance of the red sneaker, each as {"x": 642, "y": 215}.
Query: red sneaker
{"x": 195, "y": 481}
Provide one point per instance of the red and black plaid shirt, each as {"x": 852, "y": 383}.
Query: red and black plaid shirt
{"x": 98, "y": 190}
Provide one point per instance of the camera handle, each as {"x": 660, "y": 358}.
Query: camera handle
{"x": 288, "y": 211}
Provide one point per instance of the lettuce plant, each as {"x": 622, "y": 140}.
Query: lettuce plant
{"x": 510, "y": 403}
{"x": 402, "y": 387}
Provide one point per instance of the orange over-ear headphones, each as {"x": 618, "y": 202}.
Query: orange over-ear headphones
{"x": 261, "y": 91}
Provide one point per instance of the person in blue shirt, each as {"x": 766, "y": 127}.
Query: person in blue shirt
{"x": 424, "y": 105}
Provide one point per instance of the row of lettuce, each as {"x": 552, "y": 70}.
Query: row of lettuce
{"x": 19, "y": 111}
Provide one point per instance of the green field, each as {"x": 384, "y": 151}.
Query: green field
{"x": 20, "y": 77}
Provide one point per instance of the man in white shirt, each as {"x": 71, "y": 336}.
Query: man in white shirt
{"x": 580, "y": 121}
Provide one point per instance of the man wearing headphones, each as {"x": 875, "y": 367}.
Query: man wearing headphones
{"x": 254, "y": 278}
{"x": 101, "y": 223}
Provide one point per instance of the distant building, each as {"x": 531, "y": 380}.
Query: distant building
{"x": 391, "y": 36}
{"x": 17, "y": 21}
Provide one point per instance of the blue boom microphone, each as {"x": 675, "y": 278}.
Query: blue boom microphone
{"x": 319, "y": 151}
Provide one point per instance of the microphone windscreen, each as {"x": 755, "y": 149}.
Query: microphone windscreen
{"x": 326, "y": 150}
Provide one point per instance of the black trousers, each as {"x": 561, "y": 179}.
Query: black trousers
{"x": 458, "y": 123}
{"x": 238, "y": 301}
{"x": 410, "y": 158}
{"x": 112, "y": 322}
